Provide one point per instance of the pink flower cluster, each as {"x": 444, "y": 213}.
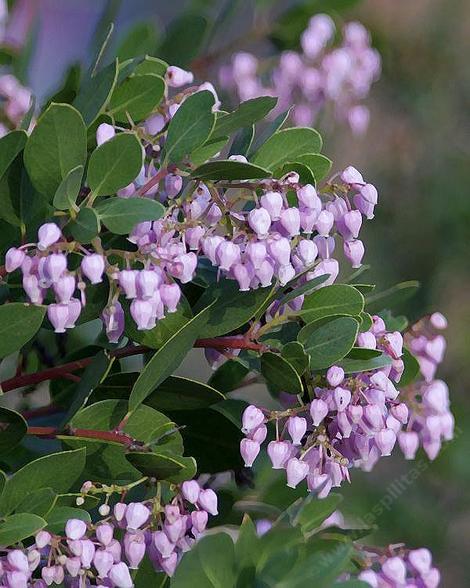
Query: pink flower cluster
{"x": 15, "y": 102}
{"x": 105, "y": 553}
{"x": 410, "y": 569}
{"x": 352, "y": 421}
{"x": 431, "y": 421}
{"x": 313, "y": 79}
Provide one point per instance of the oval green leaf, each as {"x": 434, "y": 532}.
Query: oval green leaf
{"x": 18, "y": 324}
{"x": 115, "y": 164}
{"x": 19, "y": 526}
{"x": 137, "y": 97}
{"x": 120, "y": 215}
{"x": 227, "y": 169}
{"x": 286, "y": 145}
{"x": 57, "y": 145}
{"x": 280, "y": 375}
{"x": 332, "y": 300}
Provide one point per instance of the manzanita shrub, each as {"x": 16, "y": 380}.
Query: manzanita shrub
{"x": 145, "y": 221}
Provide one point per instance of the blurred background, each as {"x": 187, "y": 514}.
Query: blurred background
{"x": 416, "y": 151}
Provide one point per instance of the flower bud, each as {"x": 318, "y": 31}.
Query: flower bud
{"x": 385, "y": 441}
{"x": 307, "y": 251}
{"x": 199, "y": 520}
{"x": 351, "y": 176}
{"x": 142, "y": 311}
{"x": 190, "y": 490}
{"x": 318, "y": 410}
{"x": 342, "y": 398}
{"x": 163, "y": 545}
{"x": 177, "y": 77}
{"x": 113, "y": 319}
{"x": 285, "y": 273}
{"x": 173, "y": 185}
{"x": 409, "y": 443}
{"x": 296, "y": 426}
{"x": 334, "y": 376}
{"x": 290, "y": 221}
{"x": 193, "y": 237}
{"x": 169, "y": 564}
{"x": 93, "y": 267}
{"x": 249, "y": 450}
{"x": 252, "y": 418}
{"x": 42, "y": 539}
{"x": 279, "y": 452}
{"x": 297, "y": 471}
{"x": 75, "y": 529}
{"x": 350, "y": 224}
{"x": 134, "y": 546}
{"x": 136, "y": 515}
{"x": 227, "y": 254}
{"x": 104, "y": 533}
{"x": 208, "y": 501}
{"x": 120, "y": 576}
{"x": 243, "y": 273}
{"x": 13, "y": 259}
{"x": 103, "y": 562}
{"x": 394, "y": 569}
{"x": 54, "y": 266}
{"x": 48, "y": 234}
{"x": 147, "y": 282}
{"x": 272, "y": 202}
{"x": 259, "y": 434}
{"x": 18, "y": 560}
{"x": 170, "y": 295}
{"x": 265, "y": 273}
{"x": 260, "y": 221}
{"x": 324, "y": 223}
{"x": 58, "y": 315}
{"x": 104, "y": 133}
{"x": 154, "y": 124}
{"x": 421, "y": 560}
{"x": 308, "y": 198}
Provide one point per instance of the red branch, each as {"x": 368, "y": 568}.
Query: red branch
{"x": 53, "y": 432}
{"x": 66, "y": 369}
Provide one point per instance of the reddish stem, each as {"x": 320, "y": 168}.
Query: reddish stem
{"x": 66, "y": 369}
{"x": 153, "y": 181}
{"x": 52, "y": 432}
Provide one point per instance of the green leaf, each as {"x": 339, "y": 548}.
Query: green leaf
{"x": 91, "y": 377}
{"x": 353, "y": 584}
{"x": 166, "y": 359}
{"x": 227, "y": 169}
{"x": 229, "y": 375}
{"x": 320, "y": 568}
{"x": 210, "y": 149}
{"x": 58, "y": 471}
{"x": 391, "y": 297}
{"x": 120, "y": 215}
{"x": 139, "y": 40}
{"x": 151, "y": 65}
{"x": 286, "y": 145}
{"x": 163, "y": 466}
{"x": 10, "y": 146}
{"x": 412, "y": 368}
{"x": 279, "y": 374}
{"x": 364, "y": 360}
{"x": 295, "y": 354}
{"x": 242, "y": 141}
{"x": 315, "y": 511}
{"x": 69, "y": 188}
{"x": 327, "y": 343}
{"x": 246, "y": 114}
{"x": 19, "y": 323}
{"x": 268, "y": 131}
{"x": 86, "y": 226}
{"x": 304, "y": 289}
{"x": 95, "y": 93}
{"x": 20, "y": 526}
{"x": 190, "y": 127}
{"x": 231, "y": 308}
{"x": 211, "y": 437}
{"x": 178, "y": 393}
{"x": 209, "y": 564}
{"x": 319, "y": 164}
{"x": 246, "y": 547}
{"x": 114, "y": 164}
{"x": 137, "y": 97}
{"x": 183, "y": 40}
{"x": 57, "y": 145}
{"x": 38, "y": 502}
{"x": 332, "y": 300}
{"x": 59, "y": 516}
{"x": 13, "y": 428}
{"x": 306, "y": 175}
